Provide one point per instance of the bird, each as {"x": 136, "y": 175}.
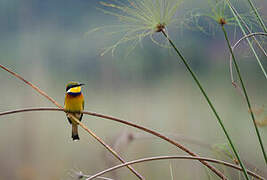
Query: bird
{"x": 74, "y": 105}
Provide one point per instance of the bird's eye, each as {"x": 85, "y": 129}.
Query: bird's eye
{"x": 67, "y": 88}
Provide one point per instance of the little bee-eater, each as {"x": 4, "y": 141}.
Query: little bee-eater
{"x": 74, "y": 104}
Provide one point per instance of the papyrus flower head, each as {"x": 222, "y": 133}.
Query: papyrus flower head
{"x": 138, "y": 19}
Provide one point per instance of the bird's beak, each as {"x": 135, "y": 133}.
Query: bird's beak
{"x": 81, "y": 84}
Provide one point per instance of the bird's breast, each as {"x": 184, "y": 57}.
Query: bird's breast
{"x": 74, "y": 103}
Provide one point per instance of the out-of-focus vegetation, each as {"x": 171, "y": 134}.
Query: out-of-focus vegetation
{"x": 46, "y": 42}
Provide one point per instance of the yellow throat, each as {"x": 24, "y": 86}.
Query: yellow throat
{"x": 75, "y": 89}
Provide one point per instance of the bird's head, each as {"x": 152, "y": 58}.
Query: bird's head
{"x": 74, "y": 88}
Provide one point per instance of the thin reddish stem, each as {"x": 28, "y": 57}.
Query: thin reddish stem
{"x": 129, "y": 124}
{"x": 74, "y": 118}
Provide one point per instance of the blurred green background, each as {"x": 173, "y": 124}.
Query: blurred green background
{"x": 45, "y": 42}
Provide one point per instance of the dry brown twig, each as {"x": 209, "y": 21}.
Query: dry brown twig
{"x": 174, "y": 157}
{"x": 216, "y": 171}
{"x": 122, "y": 140}
{"x": 96, "y": 115}
{"x": 133, "y": 125}
{"x": 231, "y": 60}
{"x": 75, "y": 119}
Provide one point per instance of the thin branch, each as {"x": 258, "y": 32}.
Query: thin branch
{"x": 110, "y": 150}
{"x": 235, "y": 45}
{"x": 121, "y": 142}
{"x": 174, "y": 157}
{"x": 247, "y": 100}
{"x": 237, "y": 17}
{"x": 103, "y": 143}
{"x": 32, "y": 85}
{"x": 246, "y": 26}
{"x": 91, "y": 114}
{"x": 74, "y": 118}
{"x": 250, "y": 35}
{"x": 129, "y": 124}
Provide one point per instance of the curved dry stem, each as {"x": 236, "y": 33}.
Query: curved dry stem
{"x": 32, "y": 86}
{"x": 174, "y": 157}
{"x": 251, "y": 35}
{"x": 74, "y": 118}
{"x": 237, "y": 17}
{"x": 247, "y": 100}
{"x": 234, "y": 46}
{"x": 129, "y": 124}
{"x": 110, "y": 149}
{"x": 122, "y": 140}
{"x": 221, "y": 175}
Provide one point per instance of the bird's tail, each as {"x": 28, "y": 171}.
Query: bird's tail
{"x": 75, "y": 135}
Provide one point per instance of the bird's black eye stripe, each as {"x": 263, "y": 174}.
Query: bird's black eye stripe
{"x": 67, "y": 88}
{"x": 72, "y": 86}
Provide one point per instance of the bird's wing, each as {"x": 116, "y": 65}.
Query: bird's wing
{"x": 83, "y": 104}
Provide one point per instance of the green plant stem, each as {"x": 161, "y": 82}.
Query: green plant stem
{"x": 258, "y": 16}
{"x": 209, "y": 102}
{"x": 237, "y": 17}
{"x": 245, "y": 93}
